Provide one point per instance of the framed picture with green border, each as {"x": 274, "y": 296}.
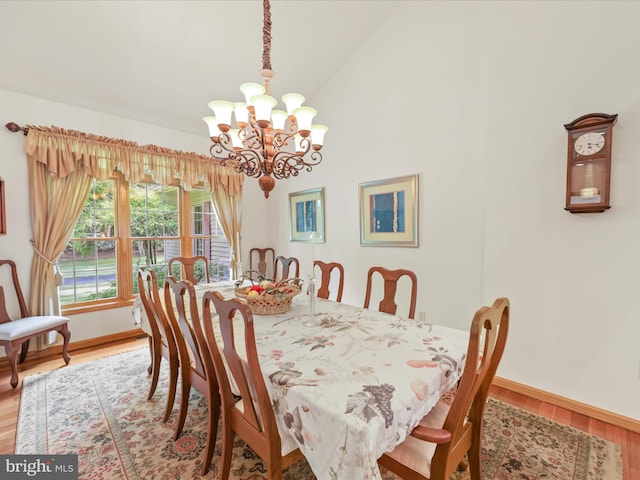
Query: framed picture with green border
{"x": 389, "y": 212}
{"x": 306, "y": 209}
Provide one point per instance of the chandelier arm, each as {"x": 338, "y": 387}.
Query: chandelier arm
{"x": 245, "y": 161}
{"x": 286, "y": 164}
{"x": 222, "y": 147}
{"x": 280, "y": 139}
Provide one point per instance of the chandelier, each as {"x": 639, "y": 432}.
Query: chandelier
{"x": 267, "y": 143}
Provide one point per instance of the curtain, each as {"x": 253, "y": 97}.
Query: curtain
{"x": 62, "y": 164}
{"x": 229, "y": 210}
{"x": 56, "y": 205}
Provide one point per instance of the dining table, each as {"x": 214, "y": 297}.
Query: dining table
{"x": 349, "y": 383}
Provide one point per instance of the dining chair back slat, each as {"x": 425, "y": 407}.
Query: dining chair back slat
{"x": 252, "y": 418}
{"x": 283, "y": 267}
{"x": 391, "y": 277}
{"x": 325, "y": 279}
{"x": 263, "y": 261}
{"x": 196, "y": 365}
{"x": 188, "y": 268}
{"x": 453, "y": 429}
{"x": 162, "y": 343}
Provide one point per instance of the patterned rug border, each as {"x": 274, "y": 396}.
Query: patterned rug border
{"x": 590, "y": 444}
{"x": 614, "y": 450}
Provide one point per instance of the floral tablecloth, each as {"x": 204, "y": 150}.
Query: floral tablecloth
{"x": 348, "y": 384}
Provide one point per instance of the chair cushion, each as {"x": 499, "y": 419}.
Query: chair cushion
{"x": 417, "y": 454}
{"x": 23, "y": 327}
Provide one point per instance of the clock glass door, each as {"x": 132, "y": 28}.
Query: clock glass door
{"x": 588, "y": 181}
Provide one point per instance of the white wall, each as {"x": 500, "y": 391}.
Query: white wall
{"x": 572, "y": 278}
{"x": 472, "y": 96}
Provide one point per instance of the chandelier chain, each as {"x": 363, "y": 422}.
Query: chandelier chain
{"x": 266, "y": 36}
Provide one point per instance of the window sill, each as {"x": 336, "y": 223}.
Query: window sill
{"x": 96, "y": 307}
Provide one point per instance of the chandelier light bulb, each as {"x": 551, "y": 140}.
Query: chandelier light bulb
{"x": 292, "y": 101}
{"x": 278, "y": 119}
{"x": 212, "y": 123}
{"x": 317, "y": 135}
{"x": 263, "y": 105}
{"x": 223, "y": 111}
{"x": 241, "y": 113}
{"x": 250, "y": 90}
{"x": 304, "y": 116}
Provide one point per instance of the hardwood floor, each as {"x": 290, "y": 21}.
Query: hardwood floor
{"x": 10, "y": 404}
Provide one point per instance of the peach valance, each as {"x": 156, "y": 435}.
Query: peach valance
{"x": 64, "y": 151}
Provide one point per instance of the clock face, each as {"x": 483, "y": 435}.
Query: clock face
{"x": 589, "y": 143}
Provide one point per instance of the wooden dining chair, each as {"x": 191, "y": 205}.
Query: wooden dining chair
{"x": 252, "y": 417}
{"x": 283, "y": 266}
{"x": 325, "y": 279}
{"x": 16, "y": 333}
{"x": 194, "y": 268}
{"x": 391, "y": 277}
{"x": 436, "y": 447}
{"x": 162, "y": 343}
{"x": 262, "y": 260}
{"x": 196, "y": 366}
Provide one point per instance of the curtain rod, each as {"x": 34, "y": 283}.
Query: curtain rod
{"x": 14, "y": 127}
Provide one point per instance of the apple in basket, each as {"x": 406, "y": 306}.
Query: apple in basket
{"x": 267, "y": 284}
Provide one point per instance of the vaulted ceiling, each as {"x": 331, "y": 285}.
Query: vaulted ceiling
{"x": 162, "y": 61}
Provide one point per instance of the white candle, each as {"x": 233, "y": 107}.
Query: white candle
{"x": 313, "y": 250}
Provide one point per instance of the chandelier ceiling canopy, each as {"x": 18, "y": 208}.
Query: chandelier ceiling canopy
{"x": 266, "y": 143}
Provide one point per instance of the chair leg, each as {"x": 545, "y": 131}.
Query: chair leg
{"x": 475, "y": 469}
{"x": 66, "y": 336}
{"x": 12, "y": 356}
{"x": 212, "y": 429}
{"x": 227, "y": 447}
{"x": 24, "y": 350}
{"x": 173, "y": 384}
{"x": 156, "y": 359}
{"x": 150, "y": 368}
{"x": 184, "y": 404}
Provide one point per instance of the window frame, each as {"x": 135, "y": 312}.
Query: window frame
{"x": 124, "y": 241}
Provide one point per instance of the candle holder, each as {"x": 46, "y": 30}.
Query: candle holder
{"x": 309, "y": 319}
{"x": 311, "y": 290}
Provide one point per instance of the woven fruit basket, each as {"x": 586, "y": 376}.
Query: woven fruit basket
{"x": 270, "y": 298}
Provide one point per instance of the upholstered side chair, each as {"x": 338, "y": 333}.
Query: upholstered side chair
{"x": 16, "y": 333}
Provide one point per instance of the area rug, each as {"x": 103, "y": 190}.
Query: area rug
{"x": 99, "y": 411}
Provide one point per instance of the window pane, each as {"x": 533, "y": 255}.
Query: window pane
{"x": 154, "y": 210}
{"x": 89, "y": 272}
{"x": 88, "y": 263}
{"x": 207, "y": 234}
{"x": 155, "y": 228}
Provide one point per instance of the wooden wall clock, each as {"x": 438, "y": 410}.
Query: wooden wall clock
{"x": 589, "y": 162}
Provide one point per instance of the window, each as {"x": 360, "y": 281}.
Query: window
{"x": 124, "y": 227}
